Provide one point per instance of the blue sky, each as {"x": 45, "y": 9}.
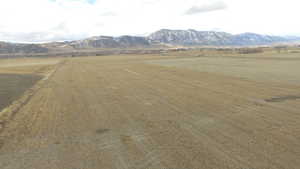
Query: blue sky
{"x": 91, "y": 1}
{"x": 58, "y": 20}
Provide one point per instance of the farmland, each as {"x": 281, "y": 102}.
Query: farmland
{"x": 13, "y": 85}
{"x": 174, "y": 111}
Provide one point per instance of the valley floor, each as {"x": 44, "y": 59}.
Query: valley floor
{"x": 123, "y": 112}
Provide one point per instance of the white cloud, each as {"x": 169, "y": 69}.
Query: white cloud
{"x": 48, "y": 20}
{"x": 214, "y": 6}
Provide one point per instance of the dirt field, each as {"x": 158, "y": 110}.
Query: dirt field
{"x": 276, "y": 68}
{"x": 121, "y": 112}
{"x": 14, "y": 85}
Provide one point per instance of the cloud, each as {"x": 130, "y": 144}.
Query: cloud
{"x": 46, "y": 20}
{"x": 37, "y": 37}
{"x": 108, "y": 14}
{"x": 215, "y": 6}
{"x": 85, "y": 1}
{"x": 57, "y": 33}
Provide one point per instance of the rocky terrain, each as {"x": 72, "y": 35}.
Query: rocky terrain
{"x": 163, "y": 37}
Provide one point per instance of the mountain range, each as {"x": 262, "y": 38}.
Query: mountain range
{"x": 161, "y": 38}
{"x": 212, "y": 38}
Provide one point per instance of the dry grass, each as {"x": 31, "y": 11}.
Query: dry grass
{"x": 122, "y": 112}
{"x": 277, "y": 68}
{"x": 28, "y": 65}
{"x": 12, "y": 86}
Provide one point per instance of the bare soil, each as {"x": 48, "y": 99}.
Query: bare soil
{"x": 121, "y": 112}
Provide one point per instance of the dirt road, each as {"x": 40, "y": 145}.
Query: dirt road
{"x": 121, "y": 113}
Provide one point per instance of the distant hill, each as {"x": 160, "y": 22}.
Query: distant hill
{"x": 111, "y": 42}
{"x": 21, "y": 48}
{"x": 193, "y": 37}
{"x": 190, "y": 37}
{"x": 160, "y": 38}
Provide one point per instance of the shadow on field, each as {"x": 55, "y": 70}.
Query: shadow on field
{"x": 283, "y": 98}
{"x": 12, "y": 86}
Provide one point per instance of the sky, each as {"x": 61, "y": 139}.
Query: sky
{"x": 34, "y": 21}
